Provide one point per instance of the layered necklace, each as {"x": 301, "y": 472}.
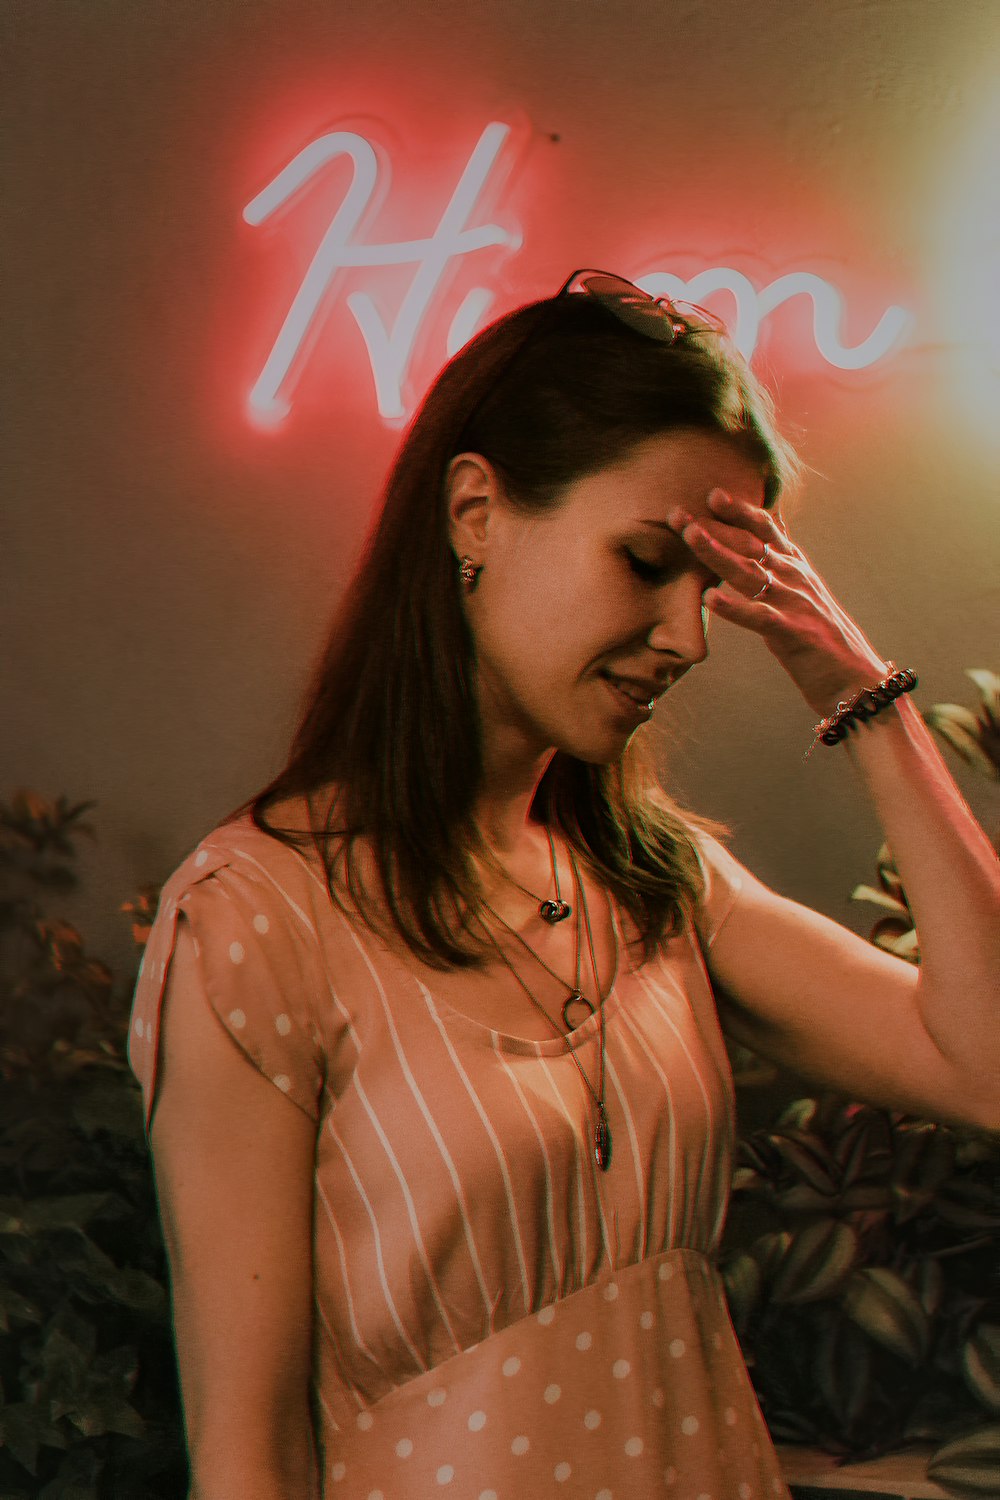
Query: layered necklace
{"x": 575, "y": 997}
{"x": 550, "y": 911}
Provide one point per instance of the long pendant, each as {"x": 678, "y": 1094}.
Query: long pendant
{"x": 602, "y": 1139}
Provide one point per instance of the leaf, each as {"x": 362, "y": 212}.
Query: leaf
{"x": 866, "y": 1197}
{"x": 930, "y": 1285}
{"x": 988, "y": 684}
{"x": 880, "y": 898}
{"x": 78, "y": 1476}
{"x": 13, "y": 1305}
{"x": 768, "y": 1250}
{"x": 960, "y": 728}
{"x": 968, "y": 1205}
{"x": 113, "y": 1107}
{"x": 95, "y": 1418}
{"x": 981, "y": 1364}
{"x": 809, "y": 1158}
{"x": 924, "y": 1159}
{"x": 816, "y": 1262}
{"x": 798, "y": 1115}
{"x": 880, "y": 1302}
{"x": 971, "y": 1464}
{"x": 742, "y": 1280}
{"x": 69, "y": 1212}
{"x": 802, "y": 1199}
{"x": 903, "y": 944}
{"x": 140, "y": 1292}
{"x": 843, "y": 1370}
{"x": 23, "y": 1429}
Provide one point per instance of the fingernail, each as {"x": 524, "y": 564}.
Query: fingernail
{"x": 719, "y": 497}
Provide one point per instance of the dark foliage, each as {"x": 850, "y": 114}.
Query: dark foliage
{"x": 88, "y": 1396}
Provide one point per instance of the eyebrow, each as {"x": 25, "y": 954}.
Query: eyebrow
{"x": 665, "y": 526}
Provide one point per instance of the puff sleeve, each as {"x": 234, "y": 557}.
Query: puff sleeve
{"x": 258, "y": 961}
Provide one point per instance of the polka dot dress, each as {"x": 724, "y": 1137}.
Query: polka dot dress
{"x": 494, "y": 1317}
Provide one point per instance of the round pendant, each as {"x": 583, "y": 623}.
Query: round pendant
{"x": 575, "y": 998}
{"x": 554, "y": 911}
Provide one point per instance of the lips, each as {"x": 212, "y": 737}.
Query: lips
{"x": 642, "y": 693}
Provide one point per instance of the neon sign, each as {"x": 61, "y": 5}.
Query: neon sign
{"x": 753, "y": 306}
{"x": 391, "y": 349}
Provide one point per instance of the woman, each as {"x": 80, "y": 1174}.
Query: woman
{"x": 452, "y": 1231}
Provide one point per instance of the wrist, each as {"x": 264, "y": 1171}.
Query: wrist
{"x": 864, "y": 704}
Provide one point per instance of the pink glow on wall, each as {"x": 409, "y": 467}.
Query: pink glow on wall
{"x": 432, "y": 310}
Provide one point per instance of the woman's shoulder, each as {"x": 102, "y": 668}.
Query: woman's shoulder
{"x": 282, "y": 858}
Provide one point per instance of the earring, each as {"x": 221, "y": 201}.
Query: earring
{"x": 469, "y": 571}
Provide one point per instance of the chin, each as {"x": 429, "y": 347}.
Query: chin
{"x": 603, "y": 752}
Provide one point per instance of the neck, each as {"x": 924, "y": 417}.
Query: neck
{"x": 503, "y": 809}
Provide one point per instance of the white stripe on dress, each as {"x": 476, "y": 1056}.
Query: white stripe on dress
{"x": 654, "y": 1062}
{"x": 539, "y": 1135}
{"x": 418, "y": 1359}
{"x": 640, "y": 1177}
{"x": 344, "y": 1274}
{"x": 411, "y": 1209}
{"x": 494, "y": 1140}
{"x": 726, "y": 1129}
{"x": 429, "y": 1118}
{"x": 707, "y": 1138}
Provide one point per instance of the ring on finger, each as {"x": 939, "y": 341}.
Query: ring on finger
{"x": 768, "y": 580}
{"x": 762, "y": 559}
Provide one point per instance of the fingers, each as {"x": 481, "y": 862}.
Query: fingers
{"x": 745, "y": 570}
{"x": 764, "y": 524}
{"x": 741, "y": 542}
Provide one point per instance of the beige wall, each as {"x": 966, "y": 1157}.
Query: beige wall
{"x": 168, "y": 571}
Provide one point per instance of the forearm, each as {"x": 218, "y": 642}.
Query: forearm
{"x": 952, "y": 881}
{"x": 237, "y": 1470}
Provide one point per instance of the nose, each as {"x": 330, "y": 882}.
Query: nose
{"x": 680, "y": 629}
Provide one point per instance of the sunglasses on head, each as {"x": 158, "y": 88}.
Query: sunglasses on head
{"x": 658, "y": 318}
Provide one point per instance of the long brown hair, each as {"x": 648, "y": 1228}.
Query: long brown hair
{"x": 550, "y": 393}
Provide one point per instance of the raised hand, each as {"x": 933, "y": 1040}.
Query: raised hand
{"x": 769, "y": 586}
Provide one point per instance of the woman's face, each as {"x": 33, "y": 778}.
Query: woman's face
{"x": 586, "y": 613}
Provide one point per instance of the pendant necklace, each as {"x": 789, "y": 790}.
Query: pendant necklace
{"x": 550, "y": 911}
{"x": 602, "y": 1143}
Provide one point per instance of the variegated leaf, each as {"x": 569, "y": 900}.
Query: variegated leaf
{"x": 817, "y": 1261}
{"x": 971, "y": 1464}
{"x": 880, "y": 898}
{"x": 988, "y": 684}
{"x": 963, "y": 732}
{"x": 981, "y": 1364}
{"x": 883, "y": 1305}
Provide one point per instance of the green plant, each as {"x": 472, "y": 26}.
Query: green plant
{"x": 867, "y": 1293}
{"x": 863, "y": 1251}
{"x": 88, "y": 1398}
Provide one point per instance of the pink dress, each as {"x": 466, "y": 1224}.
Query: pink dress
{"x": 494, "y": 1317}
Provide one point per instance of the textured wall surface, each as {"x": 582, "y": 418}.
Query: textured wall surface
{"x": 168, "y": 570}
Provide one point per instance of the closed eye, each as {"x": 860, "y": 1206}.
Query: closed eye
{"x": 649, "y": 572}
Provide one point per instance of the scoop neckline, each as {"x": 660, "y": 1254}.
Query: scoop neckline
{"x": 554, "y": 1045}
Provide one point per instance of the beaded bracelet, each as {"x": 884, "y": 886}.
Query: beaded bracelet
{"x": 864, "y": 705}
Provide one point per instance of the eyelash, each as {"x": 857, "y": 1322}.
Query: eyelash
{"x": 652, "y": 573}
{"x": 656, "y": 574}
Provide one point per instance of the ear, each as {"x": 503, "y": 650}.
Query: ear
{"x": 473, "y": 492}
